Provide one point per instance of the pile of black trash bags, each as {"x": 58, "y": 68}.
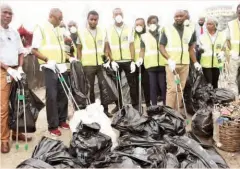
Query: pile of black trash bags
{"x": 200, "y": 98}
{"x": 158, "y": 140}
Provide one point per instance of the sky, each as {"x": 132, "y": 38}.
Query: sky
{"x": 31, "y": 12}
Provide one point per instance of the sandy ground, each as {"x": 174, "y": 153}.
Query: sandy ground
{"x": 12, "y": 159}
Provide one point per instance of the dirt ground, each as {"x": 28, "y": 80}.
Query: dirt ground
{"x": 12, "y": 159}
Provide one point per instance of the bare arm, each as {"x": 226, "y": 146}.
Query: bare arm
{"x": 3, "y": 66}
{"x": 142, "y": 53}
{"x": 164, "y": 52}
{"x": 20, "y": 59}
{"x": 132, "y": 50}
{"x": 192, "y": 53}
{"x": 229, "y": 44}
{"x": 39, "y": 55}
{"x": 79, "y": 51}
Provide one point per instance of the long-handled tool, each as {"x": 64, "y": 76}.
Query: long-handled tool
{"x": 119, "y": 85}
{"x": 66, "y": 89}
{"x": 21, "y": 97}
{"x": 140, "y": 89}
{"x": 178, "y": 83}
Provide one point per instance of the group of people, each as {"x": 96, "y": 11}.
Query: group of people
{"x": 160, "y": 52}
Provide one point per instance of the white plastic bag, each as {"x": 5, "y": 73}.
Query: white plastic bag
{"x": 94, "y": 113}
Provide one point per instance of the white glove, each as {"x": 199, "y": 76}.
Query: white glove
{"x": 139, "y": 62}
{"x": 132, "y": 67}
{"x": 51, "y": 64}
{"x": 20, "y": 70}
{"x": 197, "y": 66}
{"x": 114, "y": 66}
{"x": 14, "y": 73}
{"x": 234, "y": 55}
{"x": 71, "y": 59}
{"x": 221, "y": 56}
{"x": 171, "y": 64}
{"x": 107, "y": 65}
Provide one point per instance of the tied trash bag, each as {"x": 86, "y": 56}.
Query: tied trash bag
{"x": 223, "y": 96}
{"x": 167, "y": 119}
{"x": 94, "y": 113}
{"x": 108, "y": 90}
{"x": 79, "y": 84}
{"x": 33, "y": 105}
{"x": 129, "y": 120}
{"x": 202, "y": 123}
{"x": 34, "y": 163}
{"x": 55, "y": 153}
{"x": 88, "y": 144}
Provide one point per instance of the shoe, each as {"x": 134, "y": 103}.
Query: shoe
{"x": 55, "y": 132}
{"x": 114, "y": 110}
{"x": 64, "y": 126}
{"x": 21, "y": 137}
{"x": 108, "y": 114}
{"x": 5, "y": 147}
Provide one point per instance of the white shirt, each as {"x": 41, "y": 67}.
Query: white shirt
{"x": 38, "y": 37}
{"x": 10, "y": 46}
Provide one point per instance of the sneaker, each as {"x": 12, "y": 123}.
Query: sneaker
{"x": 55, "y": 132}
{"x": 64, "y": 125}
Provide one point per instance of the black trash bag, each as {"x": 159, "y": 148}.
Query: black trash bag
{"x": 167, "y": 119}
{"x": 215, "y": 156}
{"x": 222, "y": 96}
{"x": 129, "y": 120}
{"x": 55, "y": 153}
{"x": 34, "y": 163}
{"x": 33, "y": 105}
{"x": 88, "y": 144}
{"x": 115, "y": 160}
{"x": 202, "y": 123}
{"x": 172, "y": 161}
{"x": 79, "y": 84}
{"x": 108, "y": 90}
{"x": 189, "y": 152}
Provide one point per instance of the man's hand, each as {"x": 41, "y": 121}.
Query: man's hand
{"x": 171, "y": 64}
{"x": 221, "y": 56}
{"x": 139, "y": 62}
{"x": 197, "y": 66}
{"x": 71, "y": 59}
{"x": 132, "y": 67}
{"x": 14, "y": 74}
{"x": 51, "y": 64}
{"x": 114, "y": 66}
{"x": 20, "y": 70}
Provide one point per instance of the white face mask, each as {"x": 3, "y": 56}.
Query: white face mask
{"x": 152, "y": 27}
{"x": 139, "y": 29}
{"x": 186, "y": 22}
{"x": 119, "y": 19}
{"x": 73, "y": 29}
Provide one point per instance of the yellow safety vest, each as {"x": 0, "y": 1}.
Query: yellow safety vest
{"x": 119, "y": 44}
{"x": 52, "y": 44}
{"x": 234, "y": 29}
{"x": 92, "y": 47}
{"x": 176, "y": 47}
{"x": 153, "y": 57}
{"x": 209, "y": 57}
{"x": 137, "y": 42}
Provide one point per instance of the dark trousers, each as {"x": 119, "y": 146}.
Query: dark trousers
{"x": 56, "y": 99}
{"x": 157, "y": 80}
{"x": 132, "y": 82}
{"x": 145, "y": 84}
{"x": 90, "y": 72}
{"x": 212, "y": 76}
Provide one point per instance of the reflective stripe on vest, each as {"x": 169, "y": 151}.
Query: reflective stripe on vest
{"x": 178, "y": 48}
{"x": 137, "y": 42}
{"x": 234, "y": 35}
{"x": 52, "y": 44}
{"x": 92, "y": 47}
{"x": 119, "y": 43}
{"x": 153, "y": 57}
{"x": 209, "y": 57}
